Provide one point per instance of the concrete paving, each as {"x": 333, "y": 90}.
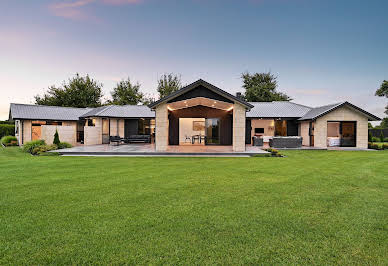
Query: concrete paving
{"x": 149, "y": 150}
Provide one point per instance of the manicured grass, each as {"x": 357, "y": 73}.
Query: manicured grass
{"x": 319, "y": 207}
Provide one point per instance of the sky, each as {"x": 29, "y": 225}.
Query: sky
{"x": 322, "y": 51}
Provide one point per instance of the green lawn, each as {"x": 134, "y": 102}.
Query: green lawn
{"x": 320, "y": 207}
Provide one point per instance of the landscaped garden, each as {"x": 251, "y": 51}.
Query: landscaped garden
{"x": 310, "y": 207}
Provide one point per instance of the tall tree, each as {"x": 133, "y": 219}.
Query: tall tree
{"x": 168, "y": 83}
{"x": 77, "y": 92}
{"x": 126, "y": 93}
{"x": 383, "y": 92}
{"x": 261, "y": 87}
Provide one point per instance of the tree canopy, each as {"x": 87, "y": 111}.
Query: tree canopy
{"x": 77, "y": 92}
{"x": 383, "y": 92}
{"x": 168, "y": 83}
{"x": 262, "y": 87}
{"x": 126, "y": 93}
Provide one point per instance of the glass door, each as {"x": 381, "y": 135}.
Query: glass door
{"x": 212, "y": 131}
{"x": 348, "y": 134}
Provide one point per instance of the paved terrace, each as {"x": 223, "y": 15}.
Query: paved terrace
{"x": 149, "y": 150}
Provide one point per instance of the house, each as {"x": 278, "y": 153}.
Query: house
{"x": 199, "y": 113}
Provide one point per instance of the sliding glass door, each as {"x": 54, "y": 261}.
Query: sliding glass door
{"x": 212, "y": 130}
{"x": 348, "y": 134}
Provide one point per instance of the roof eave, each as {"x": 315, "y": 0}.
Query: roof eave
{"x": 177, "y": 93}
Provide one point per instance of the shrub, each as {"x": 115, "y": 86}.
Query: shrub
{"x": 385, "y": 139}
{"x": 7, "y": 130}
{"x": 274, "y": 152}
{"x": 39, "y": 150}
{"x": 376, "y": 146}
{"x": 381, "y": 136}
{"x": 375, "y": 139}
{"x": 56, "y": 138}
{"x": 64, "y": 145}
{"x": 385, "y": 146}
{"x": 369, "y": 136}
{"x": 31, "y": 145}
{"x": 9, "y": 141}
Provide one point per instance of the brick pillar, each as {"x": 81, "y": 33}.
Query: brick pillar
{"x": 238, "y": 127}
{"x": 161, "y": 129}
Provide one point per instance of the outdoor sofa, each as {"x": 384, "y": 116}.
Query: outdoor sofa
{"x": 286, "y": 142}
{"x": 138, "y": 139}
{"x": 131, "y": 139}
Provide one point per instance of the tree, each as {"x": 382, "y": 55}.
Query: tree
{"x": 261, "y": 87}
{"x": 383, "y": 124}
{"x": 56, "y": 138}
{"x": 126, "y": 93}
{"x": 383, "y": 91}
{"x": 168, "y": 83}
{"x": 78, "y": 92}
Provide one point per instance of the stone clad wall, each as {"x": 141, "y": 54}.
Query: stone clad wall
{"x": 161, "y": 130}
{"x": 239, "y": 112}
{"x": 93, "y": 135}
{"x": 342, "y": 114}
{"x": 66, "y": 133}
{"x": 304, "y": 133}
{"x": 26, "y": 131}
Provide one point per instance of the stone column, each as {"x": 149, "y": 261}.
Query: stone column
{"x": 161, "y": 127}
{"x": 239, "y": 127}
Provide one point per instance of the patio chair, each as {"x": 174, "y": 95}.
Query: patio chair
{"x": 187, "y": 138}
{"x": 115, "y": 139}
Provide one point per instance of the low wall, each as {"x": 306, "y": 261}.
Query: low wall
{"x": 66, "y": 133}
{"x": 92, "y": 135}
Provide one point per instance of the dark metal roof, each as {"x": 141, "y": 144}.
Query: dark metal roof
{"x": 323, "y": 110}
{"x": 42, "y": 112}
{"x": 121, "y": 111}
{"x": 194, "y": 85}
{"x": 277, "y": 109}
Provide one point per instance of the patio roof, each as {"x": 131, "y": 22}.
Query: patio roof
{"x": 206, "y": 85}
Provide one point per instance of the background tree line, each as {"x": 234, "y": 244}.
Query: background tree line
{"x": 84, "y": 91}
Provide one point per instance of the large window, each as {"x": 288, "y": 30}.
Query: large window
{"x": 146, "y": 126}
{"x": 212, "y": 131}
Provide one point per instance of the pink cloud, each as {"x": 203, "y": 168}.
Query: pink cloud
{"x": 76, "y": 9}
{"x": 121, "y": 2}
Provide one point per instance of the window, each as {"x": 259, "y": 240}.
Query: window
{"x": 16, "y": 127}
{"x": 54, "y": 123}
{"x": 91, "y": 122}
{"x": 259, "y": 130}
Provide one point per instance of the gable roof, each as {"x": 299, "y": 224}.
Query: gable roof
{"x": 121, "y": 111}
{"x": 280, "y": 109}
{"x": 317, "y": 112}
{"x": 206, "y": 85}
{"x": 42, "y": 112}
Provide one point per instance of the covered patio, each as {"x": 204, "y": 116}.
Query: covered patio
{"x": 149, "y": 150}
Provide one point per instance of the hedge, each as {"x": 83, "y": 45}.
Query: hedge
{"x": 7, "y": 130}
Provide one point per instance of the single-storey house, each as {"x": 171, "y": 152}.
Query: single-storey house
{"x": 198, "y": 114}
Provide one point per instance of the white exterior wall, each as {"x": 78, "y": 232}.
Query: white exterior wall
{"x": 161, "y": 130}
{"x": 342, "y": 114}
{"x": 239, "y": 112}
{"x": 66, "y": 133}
